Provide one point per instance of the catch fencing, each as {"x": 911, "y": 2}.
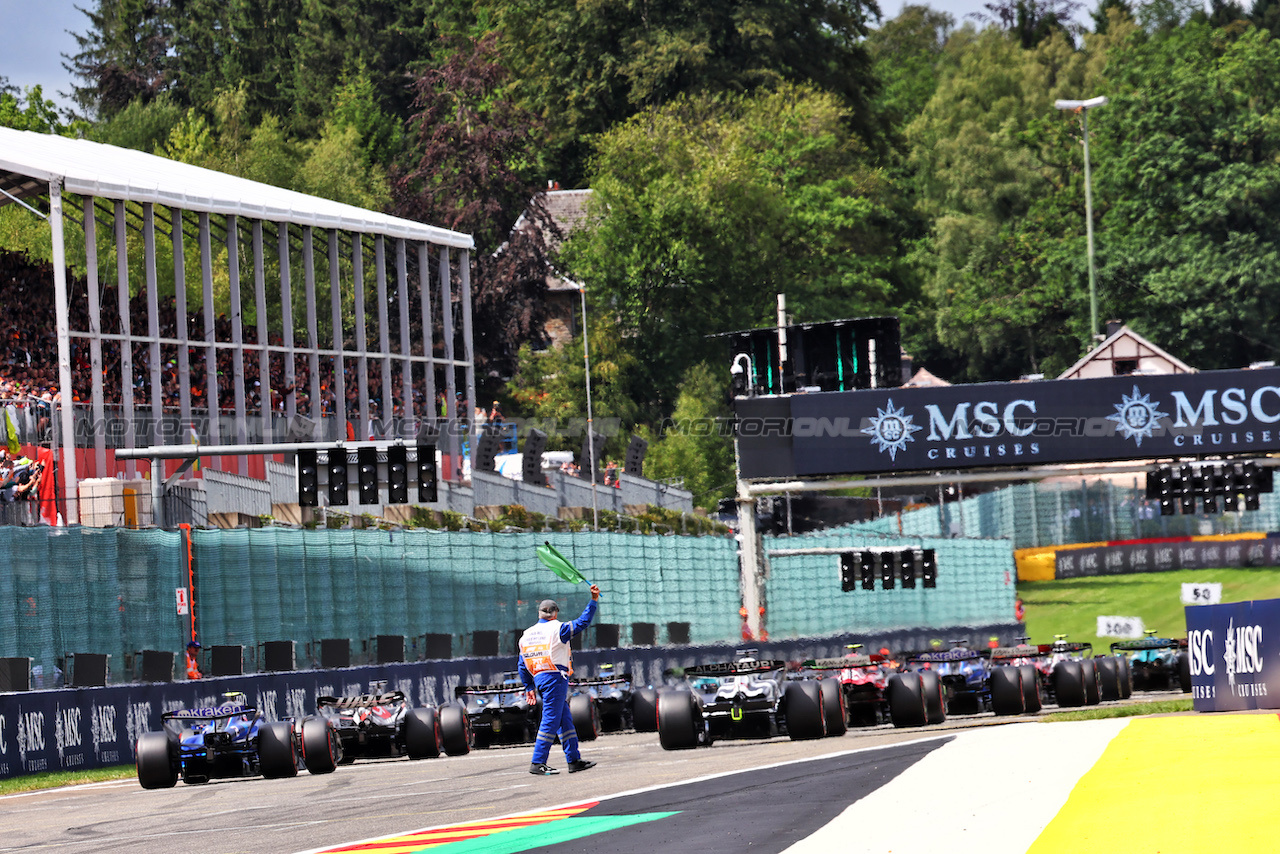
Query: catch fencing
{"x": 1045, "y": 514}
{"x": 75, "y": 591}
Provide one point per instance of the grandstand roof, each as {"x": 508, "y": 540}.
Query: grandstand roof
{"x": 28, "y": 161}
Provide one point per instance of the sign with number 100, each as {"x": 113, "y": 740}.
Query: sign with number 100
{"x": 1126, "y": 628}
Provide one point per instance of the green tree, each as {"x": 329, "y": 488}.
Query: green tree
{"x": 123, "y": 56}
{"x": 707, "y": 208}
{"x": 1189, "y": 241}
{"x": 695, "y": 446}
{"x": 586, "y": 66}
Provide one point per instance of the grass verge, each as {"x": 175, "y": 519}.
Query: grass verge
{"x": 1071, "y": 606}
{"x": 53, "y": 780}
{"x": 1156, "y": 707}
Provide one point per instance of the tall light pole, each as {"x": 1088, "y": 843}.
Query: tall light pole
{"x": 591, "y": 439}
{"x": 1083, "y": 107}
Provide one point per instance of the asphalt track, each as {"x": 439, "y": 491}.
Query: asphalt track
{"x": 1187, "y": 783}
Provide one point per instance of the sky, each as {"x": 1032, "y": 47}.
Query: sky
{"x": 37, "y": 35}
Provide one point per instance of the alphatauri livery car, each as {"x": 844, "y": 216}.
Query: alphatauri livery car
{"x": 744, "y": 698}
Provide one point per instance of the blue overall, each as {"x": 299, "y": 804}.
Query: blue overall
{"x": 553, "y": 689}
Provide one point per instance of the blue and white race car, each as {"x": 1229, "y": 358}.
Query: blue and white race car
{"x": 232, "y": 740}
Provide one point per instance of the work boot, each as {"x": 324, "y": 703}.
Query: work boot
{"x": 580, "y": 765}
{"x": 544, "y": 770}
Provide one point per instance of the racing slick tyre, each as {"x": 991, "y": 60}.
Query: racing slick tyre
{"x": 907, "y": 705}
{"x": 804, "y": 711}
{"x": 644, "y": 709}
{"x": 679, "y": 720}
{"x": 1125, "y": 675}
{"x": 1108, "y": 677}
{"x": 1007, "y": 694}
{"x": 586, "y": 717}
{"x": 1031, "y": 699}
{"x": 833, "y": 707}
{"x": 455, "y": 729}
{"x": 935, "y": 704}
{"x": 1092, "y": 684}
{"x": 321, "y": 747}
{"x": 1068, "y": 684}
{"x": 422, "y": 733}
{"x": 156, "y": 768}
{"x": 1184, "y": 672}
{"x": 277, "y": 757}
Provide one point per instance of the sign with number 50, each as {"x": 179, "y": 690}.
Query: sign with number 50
{"x": 1202, "y": 594}
{"x": 1126, "y": 628}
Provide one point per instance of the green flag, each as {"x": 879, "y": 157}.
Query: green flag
{"x": 14, "y": 447}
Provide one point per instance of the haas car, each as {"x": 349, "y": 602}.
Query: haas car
{"x": 746, "y": 698}
{"x": 384, "y": 724}
{"x": 500, "y": 713}
{"x": 1157, "y": 664}
{"x": 232, "y": 740}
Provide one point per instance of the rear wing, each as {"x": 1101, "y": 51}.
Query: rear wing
{"x": 361, "y": 700}
{"x": 1071, "y": 646}
{"x": 206, "y": 713}
{"x": 1003, "y": 653}
{"x": 858, "y": 660}
{"x": 945, "y": 656}
{"x": 735, "y": 668}
{"x": 1149, "y": 644}
{"x": 612, "y": 679}
{"x": 509, "y": 688}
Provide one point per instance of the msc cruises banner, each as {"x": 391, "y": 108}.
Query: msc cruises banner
{"x": 1010, "y": 424}
{"x": 1160, "y": 556}
{"x": 1234, "y": 653}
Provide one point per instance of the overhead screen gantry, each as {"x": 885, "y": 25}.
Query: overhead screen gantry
{"x": 824, "y": 440}
{"x": 162, "y": 204}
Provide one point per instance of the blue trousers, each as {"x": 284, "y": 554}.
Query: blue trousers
{"x": 553, "y": 689}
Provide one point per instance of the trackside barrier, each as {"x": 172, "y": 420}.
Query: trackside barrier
{"x": 1234, "y": 652}
{"x": 75, "y": 729}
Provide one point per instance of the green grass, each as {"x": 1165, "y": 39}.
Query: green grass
{"x": 52, "y": 780}
{"x": 1071, "y": 606}
{"x": 1157, "y": 707}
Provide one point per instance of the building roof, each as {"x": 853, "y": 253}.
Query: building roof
{"x": 1125, "y": 345}
{"x": 28, "y": 161}
{"x": 568, "y": 210}
{"x": 923, "y": 378}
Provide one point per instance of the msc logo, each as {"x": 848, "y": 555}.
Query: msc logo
{"x": 1243, "y": 650}
{"x": 1200, "y": 650}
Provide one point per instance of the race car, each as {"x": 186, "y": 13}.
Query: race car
{"x": 602, "y": 704}
{"x": 1157, "y": 664}
{"x": 962, "y": 676}
{"x": 863, "y": 679}
{"x": 232, "y": 740}
{"x": 1075, "y": 677}
{"x": 379, "y": 725}
{"x": 745, "y": 698}
{"x": 500, "y": 713}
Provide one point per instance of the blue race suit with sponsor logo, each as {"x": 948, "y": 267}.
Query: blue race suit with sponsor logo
{"x": 544, "y": 667}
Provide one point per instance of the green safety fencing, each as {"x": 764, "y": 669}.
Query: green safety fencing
{"x": 86, "y": 590}
{"x": 1040, "y": 514}
{"x": 976, "y": 585}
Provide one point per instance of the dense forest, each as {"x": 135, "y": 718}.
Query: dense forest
{"x": 913, "y": 166}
